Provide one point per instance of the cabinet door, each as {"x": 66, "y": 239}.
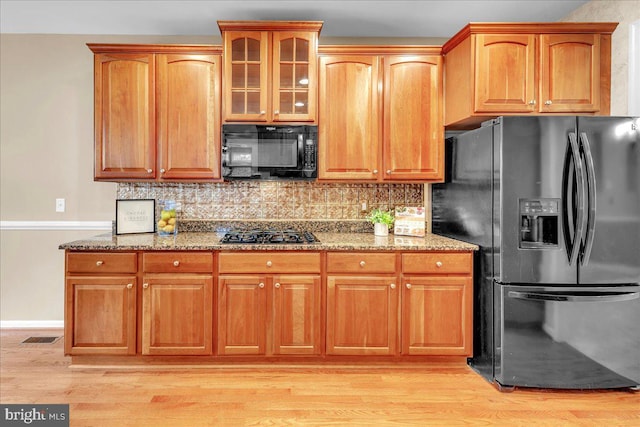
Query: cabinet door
{"x": 242, "y": 315}
{"x": 413, "y": 132}
{"x": 296, "y": 321}
{"x": 437, "y": 315}
{"x": 505, "y": 78}
{"x": 348, "y": 118}
{"x": 570, "y": 73}
{"x": 188, "y": 104}
{"x": 100, "y": 315}
{"x": 245, "y": 76}
{"x": 294, "y": 76}
{"x": 124, "y": 116}
{"x": 362, "y": 315}
{"x": 177, "y": 314}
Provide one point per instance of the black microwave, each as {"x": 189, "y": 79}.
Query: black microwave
{"x": 269, "y": 152}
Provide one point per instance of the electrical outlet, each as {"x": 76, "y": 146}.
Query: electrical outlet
{"x": 59, "y": 205}
{"x": 363, "y": 207}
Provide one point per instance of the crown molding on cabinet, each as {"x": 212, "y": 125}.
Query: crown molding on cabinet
{"x": 528, "y": 28}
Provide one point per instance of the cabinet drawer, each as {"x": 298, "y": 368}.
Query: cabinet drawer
{"x": 361, "y": 262}
{"x": 177, "y": 262}
{"x": 280, "y": 262}
{"x": 437, "y": 263}
{"x": 102, "y": 262}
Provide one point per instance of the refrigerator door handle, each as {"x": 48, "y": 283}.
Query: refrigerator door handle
{"x": 573, "y": 199}
{"x": 609, "y": 297}
{"x": 591, "y": 200}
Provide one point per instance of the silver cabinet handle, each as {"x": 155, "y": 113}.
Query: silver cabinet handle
{"x": 176, "y": 263}
{"x": 162, "y": 170}
{"x": 388, "y": 171}
{"x": 408, "y": 285}
{"x": 146, "y": 285}
{"x": 277, "y": 285}
{"x": 362, "y": 263}
{"x": 149, "y": 170}
{"x": 269, "y": 263}
{"x": 263, "y": 112}
{"x": 276, "y": 112}
{"x": 99, "y": 263}
{"x": 532, "y": 102}
{"x": 129, "y": 285}
{"x": 375, "y": 171}
{"x": 548, "y": 102}
{"x": 438, "y": 264}
{"x": 392, "y": 286}
{"x": 261, "y": 285}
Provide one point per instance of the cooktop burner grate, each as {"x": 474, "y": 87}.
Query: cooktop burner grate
{"x": 269, "y": 237}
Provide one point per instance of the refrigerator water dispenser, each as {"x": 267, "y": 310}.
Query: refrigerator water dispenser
{"x": 539, "y": 223}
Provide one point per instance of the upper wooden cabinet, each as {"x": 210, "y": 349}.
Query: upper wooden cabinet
{"x": 270, "y": 71}
{"x": 499, "y": 69}
{"x": 157, "y": 112}
{"x": 380, "y": 114}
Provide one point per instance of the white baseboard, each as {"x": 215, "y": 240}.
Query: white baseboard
{"x": 31, "y": 324}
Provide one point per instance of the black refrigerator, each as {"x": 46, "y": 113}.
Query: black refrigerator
{"x": 554, "y": 205}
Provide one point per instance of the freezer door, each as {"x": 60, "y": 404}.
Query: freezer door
{"x": 568, "y": 337}
{"x": 537, "y": 178}
{"x": 610, "y": 250}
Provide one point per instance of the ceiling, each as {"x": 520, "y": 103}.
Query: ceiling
{"x": 342, "y": 18}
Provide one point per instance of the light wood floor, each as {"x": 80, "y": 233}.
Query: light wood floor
{"x": 438, "y": 395}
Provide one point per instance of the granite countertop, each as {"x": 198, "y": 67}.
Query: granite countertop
{"x": 210, "y": 240}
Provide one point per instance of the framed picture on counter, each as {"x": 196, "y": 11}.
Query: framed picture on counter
{"x": 135, "y": 216}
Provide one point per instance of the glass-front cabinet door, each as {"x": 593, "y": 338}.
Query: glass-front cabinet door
{"x": 246, "y": 74}
{"x": 294, "y": 82}
{"x": 270, "y": 71}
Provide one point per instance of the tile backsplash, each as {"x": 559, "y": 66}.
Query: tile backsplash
{"x": 296, "y": 200}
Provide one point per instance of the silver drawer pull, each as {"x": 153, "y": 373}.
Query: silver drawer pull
{"x": 129, "y": 285}
{"x": 277, "y": 285}
{"x": 99, "y": 263}
{"x": 392, "y": 286}
{"x": 408, "y": 285}
{"x": 261, "y": 285}
{"x": 438, "y": 264}
{"x": 362, "y": 263}
{"x": 269, "y": 263}
{"x": 176, "y": 263}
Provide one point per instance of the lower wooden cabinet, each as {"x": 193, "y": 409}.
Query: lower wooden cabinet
{"x": 436, "y": 315}
{"x": 177, "y": 314}
{"x": 177, "y": 303}
{"x": 269, "y": 315}
{"x": 100, "y": 315}
{"x": 394, "y": 304}
{"x": 437, "y": 304}
{"x": 362, "y": 315}
{"x": 100, "y": 303}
